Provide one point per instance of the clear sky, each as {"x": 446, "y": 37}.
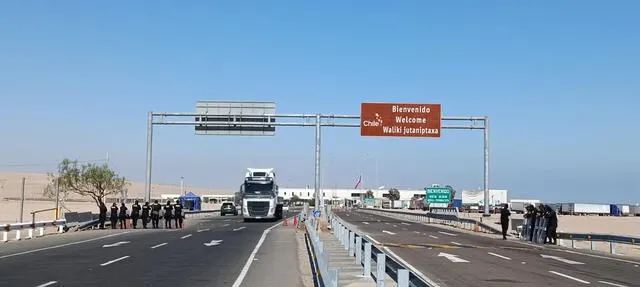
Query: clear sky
{"x": 560, "y": 81}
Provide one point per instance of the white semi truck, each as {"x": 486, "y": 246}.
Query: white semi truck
{"x": 259, "y": 193}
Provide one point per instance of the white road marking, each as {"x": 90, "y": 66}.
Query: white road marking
{"x": 395, "y": 225}
{"x": 452, "y": 257}
{"x": 387, "y": 223}
{"x": 161, "y": 244}
{"x": 247, "y": 265}
{"x": 456, "y": 243}
{"x": 447, "y": 233}
{"x": 202, "y": 230}
{"x": 416, "y": 232}
{"x": 186, "y": 236}
{"x": 405, "y": 223}
{"x": 47, "y": 284}
{"x": 560, "y": 259}
{"x": 226, "y": 225}
{"x": 595, "y": 256}
{"x": 612, "y": 284}
{"x": 213, "y": 243}
{"x": 435, "y": 237}
{"x": 115, "y": 260}
{"x": 239, "y": 228}
{"x": 503, "y": 257}
{"x": 62, "y": 245}
{"x": 115, "y": 244}
{"x": 570, "y": 277}
{"x": 388, "y": 232}
{"x": 364, "y": 222}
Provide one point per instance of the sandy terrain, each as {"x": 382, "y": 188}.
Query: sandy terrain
{"x": 11, "y": 189}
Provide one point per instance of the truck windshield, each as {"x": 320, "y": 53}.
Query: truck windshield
{"x": 258, "y": 188}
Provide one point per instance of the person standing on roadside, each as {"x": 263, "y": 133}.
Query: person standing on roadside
{"x": 135, "y": 214}
{"x": 145, "y": 214}
{"x": 504, "y": 220}
{"x": 114, "y": 215}
{"x": 155, "y": 214}
{"x": 123, "y": 216}
{"x": 177, "y": 213}
{"x": 103, "y": 214}
{"x": 167, "y": 214}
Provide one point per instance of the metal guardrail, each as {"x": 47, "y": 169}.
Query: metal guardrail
{"x": 537, "y": 233}
{"x": 444, "y": 219}
{"x": 365, "y": 253}
{"x": 30, "y": 227}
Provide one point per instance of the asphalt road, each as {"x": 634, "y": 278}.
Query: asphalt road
{"x": 457, "y": 258}
{"x": 206, "y": 252}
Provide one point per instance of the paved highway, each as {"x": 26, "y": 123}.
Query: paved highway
{"x": 207, "y": 252}
{"x": 457, "y": 258}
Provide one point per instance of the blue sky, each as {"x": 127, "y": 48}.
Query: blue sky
{"x": 559, "y": 80}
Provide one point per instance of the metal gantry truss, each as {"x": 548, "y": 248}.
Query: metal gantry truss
{"x": 302, "y": 120}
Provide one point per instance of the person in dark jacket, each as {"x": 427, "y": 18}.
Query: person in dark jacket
{"x": 167, "y": 214}
{"x": 504, "y": 220}
{"x": 114, "y": 215}
{"x": 123, "y": 216}
{"x": 103, "y": 214}
{"x": 155, "y": 214}
{"x": 146, "y": 209}
{"x": 135, "y": 214}
{"x": 552, "y": 226}
{"x": 531, "y": 215}
{"x": 177, "y": 213}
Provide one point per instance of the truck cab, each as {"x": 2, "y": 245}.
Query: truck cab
{"x": 259, "y": 193}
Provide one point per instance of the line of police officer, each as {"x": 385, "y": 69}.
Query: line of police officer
{"x": 147, "y": 212}
{"x": 543, "y": 212}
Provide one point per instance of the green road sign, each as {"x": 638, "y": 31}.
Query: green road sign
{"x": 438, "y": 194}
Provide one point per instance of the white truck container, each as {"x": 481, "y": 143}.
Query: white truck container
{"x": 590, "y": 208}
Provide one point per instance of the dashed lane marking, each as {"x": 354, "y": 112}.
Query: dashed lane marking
{"x": 47, "y": 284}
{"x": 114, "y": 260}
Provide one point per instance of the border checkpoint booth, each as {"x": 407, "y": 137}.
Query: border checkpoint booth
{"x": 190, "y": 201}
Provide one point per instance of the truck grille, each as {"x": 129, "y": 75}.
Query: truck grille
{"x": 258, "y": 208}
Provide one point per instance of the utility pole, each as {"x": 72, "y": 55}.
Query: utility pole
{"x": 182, "y": 185}
{"x": 22, "y": 200}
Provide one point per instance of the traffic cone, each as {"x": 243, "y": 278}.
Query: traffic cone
{"x": 295, "y": 221}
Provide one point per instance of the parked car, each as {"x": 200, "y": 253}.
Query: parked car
{"x": 228, "y": 208}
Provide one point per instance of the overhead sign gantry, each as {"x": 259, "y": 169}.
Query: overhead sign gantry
{"x": 260, "y": 119}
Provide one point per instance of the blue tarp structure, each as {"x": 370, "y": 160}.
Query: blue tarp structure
{"x": 190, "y": 201}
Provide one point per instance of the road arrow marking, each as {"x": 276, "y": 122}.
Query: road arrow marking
{"x": 388, "y": 232}
{"x": 239, "y": 228}
{"x": 452, "y": 257}
{"x": 447, "y": 233}
{"x": 213, "y": 243}
{"x": 115, "y": 244}
{"x": 186, "y": 236}
{"x": 201, "y": 230}
{"x": 561, "y": 259}
{"x": 498, "y": 255}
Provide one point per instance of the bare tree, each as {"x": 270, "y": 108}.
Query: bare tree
{"x": 92, "y": 180}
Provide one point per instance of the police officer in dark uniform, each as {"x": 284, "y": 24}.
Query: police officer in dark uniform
{"x": 135, "y": 214}
{"x": 155, "y": 214}
{"x": 531, "y": 215}
{"x": 103, "y": 214}
{"x": 114, "y": 215}
{"x": 167, "y": 214}
{"x": 504, "y": 220}
{"x": 145, "y": 214}
{"x": 177, "y": 213}
{"x": 123, "y": 216}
